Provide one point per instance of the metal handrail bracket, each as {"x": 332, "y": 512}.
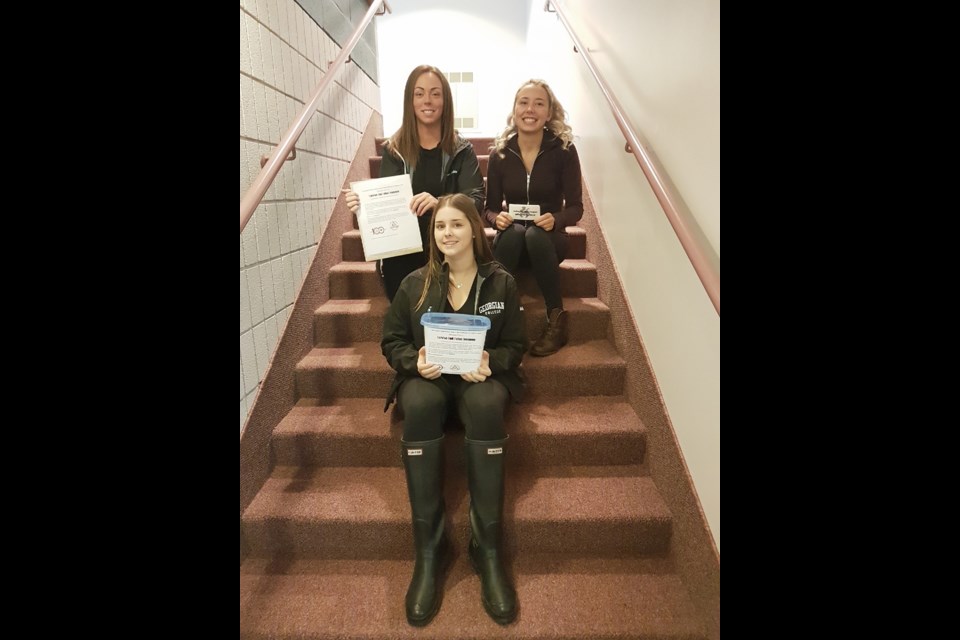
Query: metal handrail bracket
{"x": 269, "y": 169}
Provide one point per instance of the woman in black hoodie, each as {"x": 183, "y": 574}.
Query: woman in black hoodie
{"x": 438, "y": 160}
{"x": 534, "y": 162}
{"x": 460, "y": 277}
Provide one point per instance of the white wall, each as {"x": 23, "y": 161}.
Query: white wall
{"x": 487, "y": 37}
{"x": 282, "y": 54}
{"x": 662, "y": 59}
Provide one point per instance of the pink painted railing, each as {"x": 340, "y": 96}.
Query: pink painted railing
{"x": 251, "y": 199}
{"x": 673, "y": 206}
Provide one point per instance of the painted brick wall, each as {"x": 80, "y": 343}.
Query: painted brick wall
{"x": 283, "y": 55}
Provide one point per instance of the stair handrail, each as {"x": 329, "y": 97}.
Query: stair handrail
{"x": 254, "y": 194}
{"x": 673, "y": 205}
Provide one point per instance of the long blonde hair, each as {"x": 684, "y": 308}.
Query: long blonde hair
{"x": 405, "y": 142}
{"x": 557, "y": 124}
{"x": 481, "y": 247}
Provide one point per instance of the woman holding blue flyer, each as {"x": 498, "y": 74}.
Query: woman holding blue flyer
{"x": 460, "y": 277}
{"x": 535, "y": 169}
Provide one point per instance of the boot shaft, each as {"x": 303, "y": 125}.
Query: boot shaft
{"x": 423, "y": 464}
{"x": 485, "y": 467}
{"x": 485, "y": 476}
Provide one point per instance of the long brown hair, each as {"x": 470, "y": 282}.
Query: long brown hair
{"x": 557, "y": 123}
{"x": 481, "y": 247}
{"x": 405, "y": 142}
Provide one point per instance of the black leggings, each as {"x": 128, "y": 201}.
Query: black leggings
{"x": 426, "y": 404}
{"x": 545, "y": 250}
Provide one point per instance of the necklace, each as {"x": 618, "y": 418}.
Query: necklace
{"x": 458, "y": 285}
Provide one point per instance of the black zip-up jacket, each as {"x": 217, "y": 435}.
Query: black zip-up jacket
{"x": 555, "y": 182}
{"x": 497, "y": 298}
{"x": 459, "y": 173}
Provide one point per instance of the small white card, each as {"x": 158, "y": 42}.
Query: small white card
{"x": 524, "y": 211}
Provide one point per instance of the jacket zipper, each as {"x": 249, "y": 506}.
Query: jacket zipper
{"x": 476, "y": 296}
{"x": 531, "y": 169}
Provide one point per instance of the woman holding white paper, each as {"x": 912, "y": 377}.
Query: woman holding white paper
{"x": 534, "y": 163}
{"x": 439, "y": 161}
{"x": 460, "y": 277}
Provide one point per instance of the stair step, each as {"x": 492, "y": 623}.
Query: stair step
{"x": 343, "y": 322}
{"x": 349, "y": 280}
{"x": 364, "y": 512}
{"x": 560, "y": 599}
{"x": 578, "y": 279}
{"x": 587, "y": 318}
{"x": 352, "y": 247}
{"x": 593, "y": 368}
{"x": 355, "y": 432}
{"x": 355, "y": 371}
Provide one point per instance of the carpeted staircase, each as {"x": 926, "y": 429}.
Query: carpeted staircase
{"x": 330, "y": 546}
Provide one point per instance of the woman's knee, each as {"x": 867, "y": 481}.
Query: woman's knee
{"x": 422, "y": 401}
{"x": 482, "y": 411}
{"x": 544, "y": 245}
{"x": 508, "y": 246}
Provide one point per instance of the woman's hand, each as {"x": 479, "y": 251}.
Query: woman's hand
{"x": 503, "y": 220}
{"x": 428, "y": 371}
{"x": 422, "y": 203}
{"x": 482, "y": 372}
{"x": 545, "y": 221}
{"x": 353, "y": 200}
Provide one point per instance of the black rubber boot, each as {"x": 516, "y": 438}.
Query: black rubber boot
{"x": 423, "y": 462}
{"x": 485, "y": 476}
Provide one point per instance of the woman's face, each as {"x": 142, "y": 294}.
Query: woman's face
{"x": 453, "y": 232}
{"x": 428, "y": 99}
{"x": 531, "y": 111}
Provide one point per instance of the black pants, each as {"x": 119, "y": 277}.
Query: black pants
{"x": 394, "y": 270}
{"x": 545, "y": 251}
{"x": 426, "y": 405}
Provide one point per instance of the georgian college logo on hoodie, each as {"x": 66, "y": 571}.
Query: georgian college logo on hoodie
{"x": 491, "y": 308}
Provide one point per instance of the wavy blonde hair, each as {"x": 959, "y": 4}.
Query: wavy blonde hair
{"x": 481, "y": 246}
{"x": 557, "y": 124}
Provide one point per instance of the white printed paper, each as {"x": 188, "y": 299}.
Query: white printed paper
{"x": 455, "y": 350}
{"x": 387, "y": 227}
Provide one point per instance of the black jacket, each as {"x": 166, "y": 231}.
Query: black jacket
{"x": 459, "y": 173}
{"x": 497, "y": 298}
{"x": 555, "y": 182}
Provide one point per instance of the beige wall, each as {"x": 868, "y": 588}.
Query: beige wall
{"x": 661, "y": 59}
{"x": 283, "y": 55}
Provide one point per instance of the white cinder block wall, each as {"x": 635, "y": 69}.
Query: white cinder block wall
{"x": 283, "y": 55}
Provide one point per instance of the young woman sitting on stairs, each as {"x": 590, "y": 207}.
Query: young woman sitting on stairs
{"x": 534, "y": 162}
{"x": 460, "y": 277}
{"x": 438, "y": 159}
